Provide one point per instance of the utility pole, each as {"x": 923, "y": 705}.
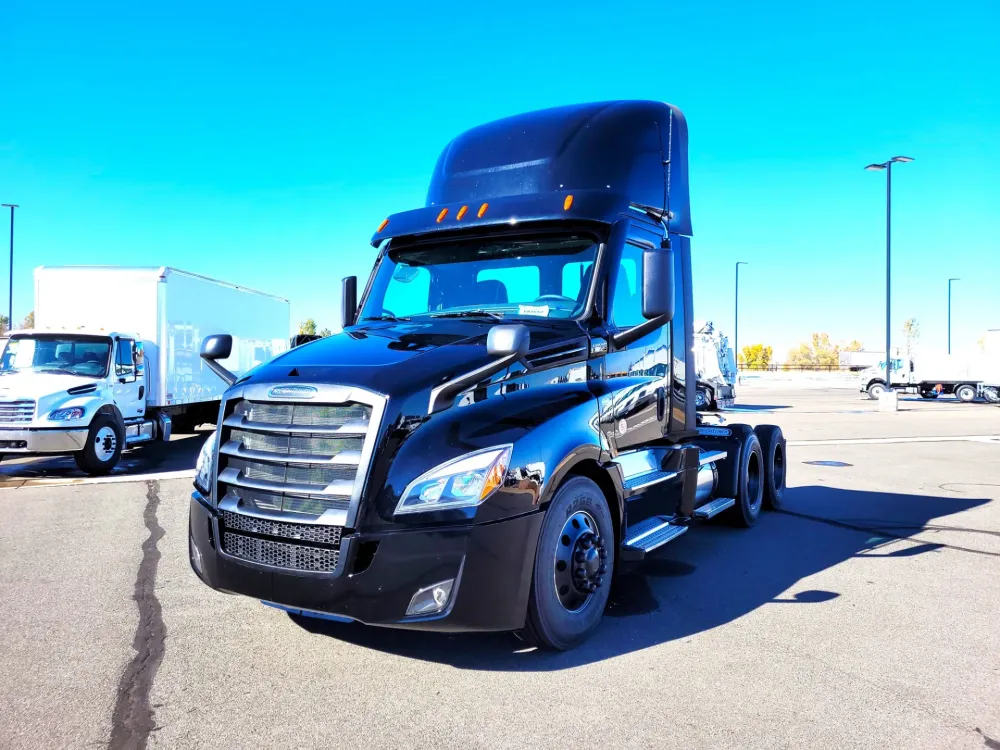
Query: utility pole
{"x": 10, "y": 294}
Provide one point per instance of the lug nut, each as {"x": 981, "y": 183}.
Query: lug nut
{"x": 580, "y": 573}
{"x": 580, "y": 557}
{"x": 603, "y": 553}
{"x": 598, "y": 582}
{"x": 602, "y": 570}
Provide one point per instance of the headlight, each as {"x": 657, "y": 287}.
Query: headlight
{"x": 463, "y": 482}
{"x": 203, "y": 467}
{"x": 63, "y": 415}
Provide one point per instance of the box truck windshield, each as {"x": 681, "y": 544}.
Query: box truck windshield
{"x": 73, "y": 355}
{"x": 496, "y": 277}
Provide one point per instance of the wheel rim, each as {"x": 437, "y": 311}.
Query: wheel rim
{"x": 877, "y": 389}
{"x": 105, "y": 442}
{"x": 699, "y": 399}
{"x": 755, "y": 486}
{"x": 580, "y": 561}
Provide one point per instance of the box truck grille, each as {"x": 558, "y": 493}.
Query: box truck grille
{"x": 280, "y": 554}
{"x": 17, "y": 412}
{"x": 290, "y": 471}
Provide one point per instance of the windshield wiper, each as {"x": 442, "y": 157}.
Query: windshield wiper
{"x": 469, "y": 314}
{"x": 383, "y": 316}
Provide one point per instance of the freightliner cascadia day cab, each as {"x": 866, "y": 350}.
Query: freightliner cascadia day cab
{"x": 508, "y": 416}
{"x": 114, "y": 359}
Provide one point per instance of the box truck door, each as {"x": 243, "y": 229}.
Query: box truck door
{"x": 129, "y": 388}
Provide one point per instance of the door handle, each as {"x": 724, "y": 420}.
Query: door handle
{"x": 661, "y": 403}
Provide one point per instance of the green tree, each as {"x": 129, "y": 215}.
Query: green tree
{"x": 325, "y": 332}
{"x": 854, "y": 346}
{"x": 307, "y": 327}
{"x": 4, "y": 324}
{"x": 756, "y": 356}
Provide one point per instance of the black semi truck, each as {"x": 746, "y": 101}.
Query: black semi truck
{"x": 508, "y": 417}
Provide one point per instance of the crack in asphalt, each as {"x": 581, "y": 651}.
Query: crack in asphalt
{"x": 132, "y": 720}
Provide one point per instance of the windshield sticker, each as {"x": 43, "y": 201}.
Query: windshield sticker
{"x": 541, "y": 311}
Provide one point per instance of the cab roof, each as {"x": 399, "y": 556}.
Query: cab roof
{"x": 585, "y": 161}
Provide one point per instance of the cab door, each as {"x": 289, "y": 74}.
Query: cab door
{"x": 129, "y": 389}
{"x": 639, "y": 373}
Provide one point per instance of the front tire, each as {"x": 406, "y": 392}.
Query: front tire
{"x": 875, "y": 390}
{"x": 104, "y": 446}
{"x": 574, "y": 561}
{"x": 965, "y": 393}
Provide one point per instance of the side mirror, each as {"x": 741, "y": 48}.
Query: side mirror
{"x": 658, "y": 284}
{"x": 218, "y": 346}
{"x": 502, "y": 341}
{"x": 349, "y": 300}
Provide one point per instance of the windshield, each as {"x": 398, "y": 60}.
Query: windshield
{"x": 501, "y": 278}
{"x": 73, "y": 355}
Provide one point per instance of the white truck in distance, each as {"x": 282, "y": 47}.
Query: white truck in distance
{"x": 114, "y": 359}
{"x": 929, "y": 374}
{"x": 716, "y": 368}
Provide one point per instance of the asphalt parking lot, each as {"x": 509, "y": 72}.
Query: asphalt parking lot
{"x": 866, "y": 615}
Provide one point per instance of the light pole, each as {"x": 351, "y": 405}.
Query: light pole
{"x": 736, "y": 315}
{"x": 10, "y": 296}
{"x": 949, "y": 313}
{"x": 887, "y": 166}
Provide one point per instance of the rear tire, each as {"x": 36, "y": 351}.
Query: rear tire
{"x": 104, "y": 446}
{"x": 562, "y": 610}
{"x": 773, "y": 448}
{"x": 965, "y": 393}
{"x": 875, "y": 390}
{"x": 750, "y": 484}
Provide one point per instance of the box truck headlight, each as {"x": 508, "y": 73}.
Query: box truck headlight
{"x": 64, "y": 415}
{"x": 203, "y": 467}
{"x": 460, "y": 483}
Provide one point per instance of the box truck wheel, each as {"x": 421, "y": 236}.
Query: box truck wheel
{"x": 772, "y": 445}
{"x": 104, "y": 446}
{"x": 749, "y": 483}
{"x": 573, "y": 564}
{"x": 875, "y": 390}
{"x": 965, "y": 393}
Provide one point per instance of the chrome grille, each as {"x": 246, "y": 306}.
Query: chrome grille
{"x": 280, "y": 554}
{"x": 299, "y": 531}
{"x": 292, "y": 471}
{"x": 17, "y": 412}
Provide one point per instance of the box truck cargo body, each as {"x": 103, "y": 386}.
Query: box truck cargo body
{"x": 123, "y": 344}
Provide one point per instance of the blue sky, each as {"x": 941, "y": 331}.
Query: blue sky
{"x": 262, "y": 143}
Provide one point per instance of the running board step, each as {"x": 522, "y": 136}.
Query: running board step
{"x": 714, "y": 508}
{"x": 642, "y": 481}
{"x": 649, "y": 535}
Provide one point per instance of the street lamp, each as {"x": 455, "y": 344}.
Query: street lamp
{"x": 949, "y": 313}
{"x": 736, "y": 316}
{"x": 887, "y": 166}
{"x": 10, "y": 296}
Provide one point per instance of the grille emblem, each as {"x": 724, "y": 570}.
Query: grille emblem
{"x": 292, "y": 391}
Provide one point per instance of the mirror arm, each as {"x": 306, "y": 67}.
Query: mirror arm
{"x": 227, "y": 377}
{"x": 626, "y": 337}
{"x": 443, "y": 395}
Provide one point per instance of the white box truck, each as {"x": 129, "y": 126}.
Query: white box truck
{"x": 929, "y": 374}
{"x": 114, "y": 358}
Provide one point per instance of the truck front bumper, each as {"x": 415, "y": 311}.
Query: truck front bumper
{"x": 378, "y": 574}
{"x": 42, "y": 440}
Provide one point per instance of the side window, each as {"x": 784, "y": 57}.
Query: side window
{"x": 409, "y": 291}
{"x": 573, "y": 275}
{"x": 518, "y": 284}
{"x": 124, "y": 364}
{"x": 626, "y": 302}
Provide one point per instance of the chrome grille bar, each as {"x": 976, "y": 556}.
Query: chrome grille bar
{"x": 339, "y": 488}
{"x": 17, "y": 412}
{"x": 353, "y": 427}
{"x": 238, "y": 449}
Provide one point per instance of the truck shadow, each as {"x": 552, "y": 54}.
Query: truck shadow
{"x": 710, "y": 577}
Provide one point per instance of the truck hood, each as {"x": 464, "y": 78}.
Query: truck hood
{"x": 402, "y": 357}
{"x": 36, "y": 385}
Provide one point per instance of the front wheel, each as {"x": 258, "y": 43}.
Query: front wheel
{"x": 965, "y": 393}
{"x": 573, "y": 565}
{"x": 104, "y": 447}
{"x": 875, "y": 390}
